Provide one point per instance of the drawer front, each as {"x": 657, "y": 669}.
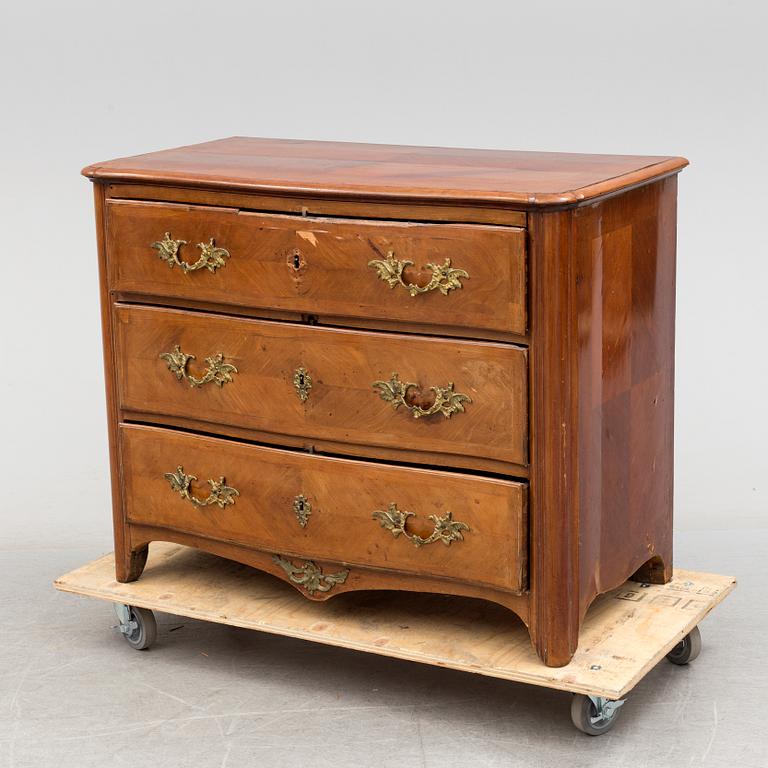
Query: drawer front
{"x": 353, "y": 512}
{"x": 328, "y": 267}
{"x": 312, "y": 382}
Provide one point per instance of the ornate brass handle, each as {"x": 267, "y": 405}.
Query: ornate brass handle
{"x": 221, "y": 494}
{"x": 444, "y": 277}
{"x": 446, "y": 400}
{"x": 217, "y": 371}
{"x": 446, "y": 528}
{"x": 211, "y": 257}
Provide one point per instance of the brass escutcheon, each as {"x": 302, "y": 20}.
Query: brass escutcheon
{"x": 310, "y": 576}
{"x": 302, "y": 509}
{"x": 302, "y": 383}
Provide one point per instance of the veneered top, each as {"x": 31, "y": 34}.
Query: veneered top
{"x": 380, "y": 171}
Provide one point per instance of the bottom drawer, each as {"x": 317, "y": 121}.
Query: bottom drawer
{"x": 418, "y": 521}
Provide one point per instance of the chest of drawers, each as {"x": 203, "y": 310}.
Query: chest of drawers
{"x": 375, "y": 367}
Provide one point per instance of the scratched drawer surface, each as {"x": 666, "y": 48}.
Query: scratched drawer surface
{"x": 406, "y": 392}
{"x": 459, "y": 276}
{"x": 358, "y": 513}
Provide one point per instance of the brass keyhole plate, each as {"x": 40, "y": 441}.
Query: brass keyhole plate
{"x": 302, "y": 509}
{"x": 302, "y": 383}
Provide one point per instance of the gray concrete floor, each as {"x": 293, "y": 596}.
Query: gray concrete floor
{"x": 74, "y": 695}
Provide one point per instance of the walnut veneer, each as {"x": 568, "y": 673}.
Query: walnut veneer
{"x": 372, "y": 367}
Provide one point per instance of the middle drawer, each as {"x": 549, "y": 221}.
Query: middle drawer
{"x": 461, "y": 399}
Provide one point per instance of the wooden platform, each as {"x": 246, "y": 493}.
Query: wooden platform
{"x": 626, "y": 632}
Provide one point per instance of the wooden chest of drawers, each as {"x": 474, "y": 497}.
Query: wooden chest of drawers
{"x": 372, "y": 367}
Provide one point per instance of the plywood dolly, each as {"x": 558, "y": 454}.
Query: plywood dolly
{"x": 596, "y": 715}
{"x": 625, "y": 634}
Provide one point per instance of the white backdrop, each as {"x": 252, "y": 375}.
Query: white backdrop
{"x": 88, "y": 81}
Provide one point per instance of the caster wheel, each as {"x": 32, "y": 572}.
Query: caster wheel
{"x": 137, "y": 625}
{"x": 687, "y": 649}
{"x": 594, "y": 715}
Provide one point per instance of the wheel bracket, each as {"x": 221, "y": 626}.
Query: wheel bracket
{"x": 604, "y": 708}
{"x": 127, "y": 625}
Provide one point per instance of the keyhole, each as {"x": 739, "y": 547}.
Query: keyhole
{"x": 301, "y": 506}
{"x": 301, "y": 379}
{"x": 296, "y": 261}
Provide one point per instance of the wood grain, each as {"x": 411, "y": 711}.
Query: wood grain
{"x": 332, "y": 447}
{"x": 625, "y": 634}
{"x": 321, "y": 266}
{"x": 624, "y": 252}
{"x": 358, "y": 579}
{"x": 423, "y": 329}
{"x": 343, "y": 495}
{"x": 342, "y": 405}
{"x": 554, "y": 480}
{"x": 129, "y": 560}
{"x": 372, "y": 171}
{"x": 318, "y": 206}
{"x": 602, "y": 366}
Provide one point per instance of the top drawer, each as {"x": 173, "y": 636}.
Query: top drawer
{"x": 454, "y": 275}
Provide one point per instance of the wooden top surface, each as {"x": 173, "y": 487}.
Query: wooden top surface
{"x": 380, "y": 171}
{"x": 625, "y": 634}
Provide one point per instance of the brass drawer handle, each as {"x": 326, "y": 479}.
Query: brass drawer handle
{"x": 221, "y": 494}
{"x": 217, "y": 371}
{"x": 444, "y": 277}
{"x": 446, "y": 528}
{"x": 446, "y": 400}
{"x": 211, "y": 256}
{"x": 310, "y": 575}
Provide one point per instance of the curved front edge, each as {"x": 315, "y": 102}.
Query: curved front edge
{"x": 656, "y": 570}
{"x": 355, "y": 579}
